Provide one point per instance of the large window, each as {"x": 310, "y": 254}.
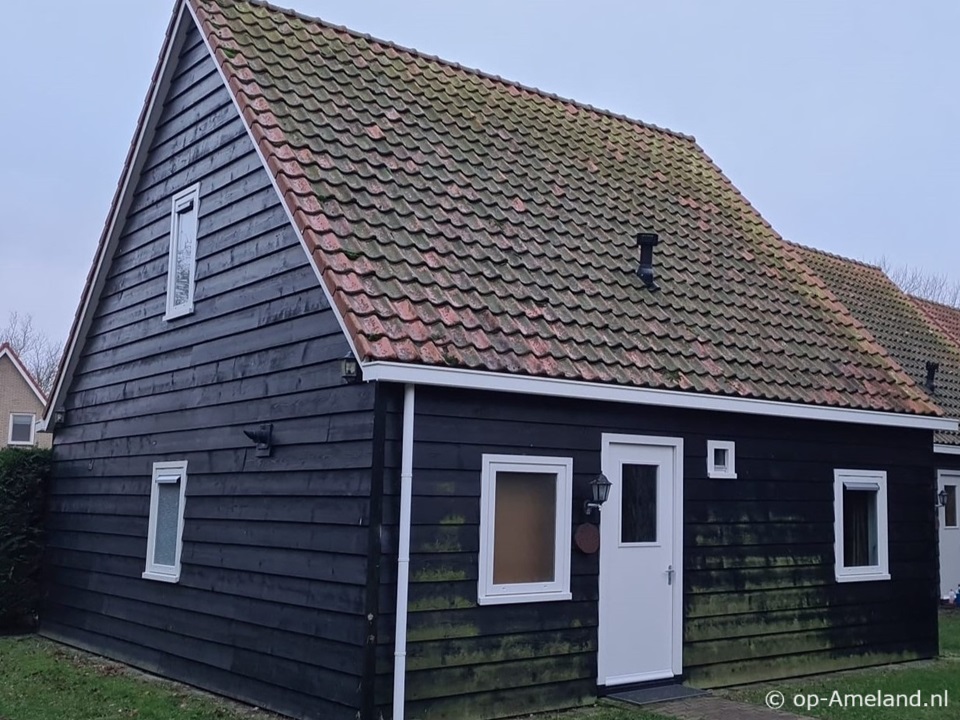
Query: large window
{"x": 860, "y": 525}
{"x": 525, "y": 526}
{"x": 21, "y": 429}
{"x": 183, "y": 252}
{"x": 165, "y": 533}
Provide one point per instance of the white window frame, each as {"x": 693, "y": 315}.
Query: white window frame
{"x": 33, "y": 429}
{"x": 861, "y": 479}
{"x": 489, "y": 593}
{"x": 185, "y": 208}
{"x": 726, "y": 473}
{"x": 154, "y": 571}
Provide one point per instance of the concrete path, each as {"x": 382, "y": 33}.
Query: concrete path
{"x": 711, "y": 707}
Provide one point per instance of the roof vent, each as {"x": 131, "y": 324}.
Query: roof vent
{"x": 932, "y": 368}
{"x": 646, "y": 241}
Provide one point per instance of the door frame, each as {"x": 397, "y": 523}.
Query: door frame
{"x": 676, "y": 444}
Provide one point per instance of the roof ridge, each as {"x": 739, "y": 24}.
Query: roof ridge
{"x": 944, "y": 305}
{"x": 470, "y": 70}
{"x": 835, "y": 256}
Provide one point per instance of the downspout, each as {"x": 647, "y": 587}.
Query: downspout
{"x": 403, "y": 555}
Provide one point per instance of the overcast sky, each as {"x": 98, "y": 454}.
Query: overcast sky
{"x": 838, "y": 120}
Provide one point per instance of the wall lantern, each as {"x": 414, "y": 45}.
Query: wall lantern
{"x": 263, "y": 437}
{"x": 942, "y": 498}
{"x": 59, "y": 417}
{"x": 599, "y": 491}
{"x": 350, "y": 369}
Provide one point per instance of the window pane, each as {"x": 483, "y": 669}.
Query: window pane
{"x": 720, "y": 459}
{"x": 168, "y": 519}
{"x": 183, "y": 257}
{"x": 638, "y": 507}
{"x": 525, "y": 520}
{"x": 859, "y": 528}
{"x": 21, "y": 429}
{"x": 950, "y": 511}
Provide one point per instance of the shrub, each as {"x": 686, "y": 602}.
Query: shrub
{"x": 23, "y": 477}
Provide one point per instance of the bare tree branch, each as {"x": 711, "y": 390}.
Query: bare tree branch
{"x": 917, "y": 281}
{"x": 40, "y": 354}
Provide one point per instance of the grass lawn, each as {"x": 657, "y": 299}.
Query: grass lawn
{"x": 40, "y": 680}
{"x": 935, "y": 676}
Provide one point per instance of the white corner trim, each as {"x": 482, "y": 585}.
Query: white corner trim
{"x": 113, "y": 227}
{"x": 946, "y": 449}
{"x": 24, "y": 373}
{"x": 403, "y": 553}
{"x": 276, "y": 188}
{"x": 582, "y": 390}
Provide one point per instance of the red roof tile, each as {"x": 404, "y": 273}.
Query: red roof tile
{"x": 946, "y": 317}
{"x": 462, "y": 220}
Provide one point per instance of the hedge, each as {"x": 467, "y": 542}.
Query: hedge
{"x": 23, "y": 478}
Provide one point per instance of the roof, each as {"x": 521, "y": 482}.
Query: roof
{"x": 946, "y": 317}
{"x": 897, "y": 323}
{"x": 7, "y": 351}
{"x": 458, "y": 220}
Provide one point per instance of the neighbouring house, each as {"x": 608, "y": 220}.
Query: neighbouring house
{"x": 365, "y": 342}
{"x": 21, "y": 403}
{"x": 927, "y": 353}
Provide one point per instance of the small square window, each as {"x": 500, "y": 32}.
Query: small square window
{"x": 21, "y": 429}
{"x": 950, "y": 509}
{"x": 721, "y": 459}
{"x": 860, "y": 525}
{"x": 165, "y": 530}
{"x": 182, "y": 266}
{"x": 525, "y": 523}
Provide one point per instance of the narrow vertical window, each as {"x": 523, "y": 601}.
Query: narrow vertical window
{"x": 860, "y": 525}
{"x": 525, "y": 524}
{"x": 165, "y": 531}
{"x": 950, "y": 509}
{"x": 21, "y": 429}
{"x": 183, "y": 252}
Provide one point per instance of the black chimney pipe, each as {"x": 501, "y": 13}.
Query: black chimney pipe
{"x": 646, "y": 241}
{"x": 932, "y": 368}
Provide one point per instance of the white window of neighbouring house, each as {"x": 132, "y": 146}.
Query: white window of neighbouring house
{"x": 183, "y": 252}
{"x": 525, "y": 529}
{"x": 721, "y": 459}
{"x": 21, "y": 428}
{"x": 165, "y": 532}
{"x": 860, "y": 525}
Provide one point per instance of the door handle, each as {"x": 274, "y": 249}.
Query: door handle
{"x": 670, "y": 575}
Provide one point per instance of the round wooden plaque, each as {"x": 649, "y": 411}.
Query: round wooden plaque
{"x": 587, "y": 538}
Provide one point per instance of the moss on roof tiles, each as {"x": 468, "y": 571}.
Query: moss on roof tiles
{"x": 487, "y": 190}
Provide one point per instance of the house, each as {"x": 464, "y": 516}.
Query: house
{"x": 363, "y": 347}
{"x": 21, "y": 403}
{"x": 947, "y": 318}
{"x": 908, "y": 328}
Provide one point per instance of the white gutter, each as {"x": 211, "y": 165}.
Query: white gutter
{"x": 403, "y": 555}
{"x": 946, "y": 449}
{"x": 581, "y": 390}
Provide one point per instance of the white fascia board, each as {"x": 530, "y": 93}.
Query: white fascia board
{"x": 946, "y": 449}
{"x": 118, "y": 212}
{"x": 581, "y": 390}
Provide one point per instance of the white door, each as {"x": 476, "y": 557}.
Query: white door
{"x": 640, "y": 560}
{"x": 949, "y": 534}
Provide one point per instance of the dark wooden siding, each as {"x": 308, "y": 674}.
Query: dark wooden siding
{"x": 760, "y": 599}
{"x": 270, "y": 604}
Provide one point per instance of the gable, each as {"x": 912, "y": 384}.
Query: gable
{"x": 17, "y": 393}
{"x": 460, "y": 221}
{"x": 897, "y": 324}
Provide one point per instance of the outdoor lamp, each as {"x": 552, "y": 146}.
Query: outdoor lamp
{"x": 942, "y": 498}
{"x": 599, "y": 491}
{"x": 350, "y": 369}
